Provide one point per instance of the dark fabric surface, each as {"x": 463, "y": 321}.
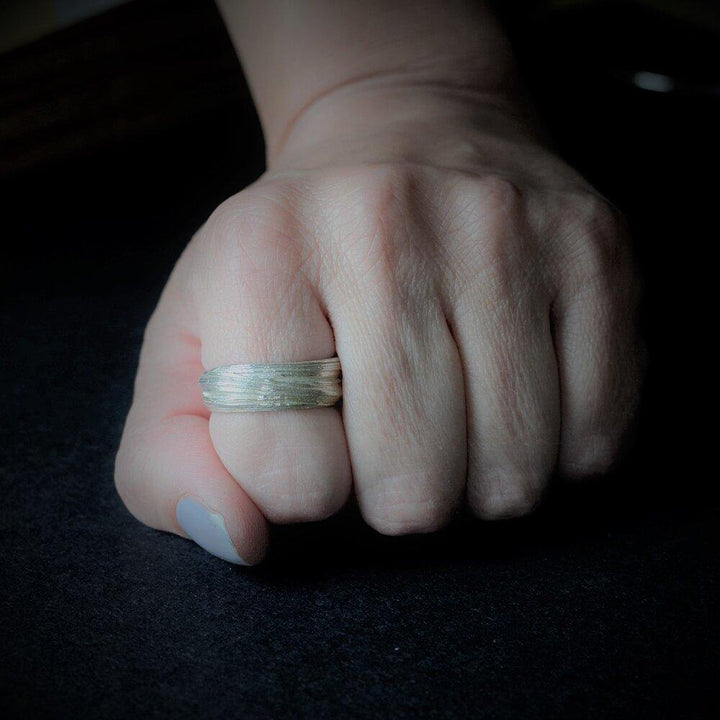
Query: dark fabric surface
{"x": 603, "y": 605}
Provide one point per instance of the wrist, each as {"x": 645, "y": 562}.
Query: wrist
{"x": 395, "y": 119}
{"x": 328, "y": 71}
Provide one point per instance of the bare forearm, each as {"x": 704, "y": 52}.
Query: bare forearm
{"x": 296, "y": 53}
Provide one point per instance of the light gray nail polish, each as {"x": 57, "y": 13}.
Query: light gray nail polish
{"x": 207, "y": 529}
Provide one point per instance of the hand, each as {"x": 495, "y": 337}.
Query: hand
{"x": 480, "y": 295}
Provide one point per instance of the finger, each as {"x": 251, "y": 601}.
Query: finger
{"x": 402, "y": 384}
{"x": 404, "y": 419}
{"x": 599, "y": 353}
{"x": 167, "y": 471}
{"x": 263, "y": 307}
{"x": 503, "y": 332}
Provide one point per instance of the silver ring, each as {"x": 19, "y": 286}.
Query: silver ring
{"x": 258, "y": 387}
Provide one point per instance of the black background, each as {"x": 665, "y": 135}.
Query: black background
{"x": 119, "y": 136}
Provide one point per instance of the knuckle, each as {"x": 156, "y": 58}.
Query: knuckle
{"x": 596, "y": 211}
{"x": 289, "y": 486}
{"x": 377, "y": 197}
{"x": 587, "y": 209}
{"x": 592, "y": 456}
{"x": 248, "y": 230}
{"x": 380, "y": 186}
{"x": 383, "y": 265}
{"x": 397, "y": 514}
{"x": 411, "y": 521}
{"x": 292, "y": 493}
{"x": 476, "y": 205}
{"x": 293, "y": 504}
{"x": 596, "y": 242}
{"x": 373, "y": 196}
{"x": 230, "y": 219}
{"x": 499, "y": 196}
{"x": 490, "y": 239}
{"x": 511, "y": 494}
{"x": 606, "y": 422}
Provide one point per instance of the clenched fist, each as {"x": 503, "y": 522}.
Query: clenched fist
{"x": 481, "y": 298}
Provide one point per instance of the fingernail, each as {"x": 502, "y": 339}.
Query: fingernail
{"x": 207, "y": 529}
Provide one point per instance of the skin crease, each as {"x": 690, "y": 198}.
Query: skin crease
{"x": 480, "y": 294}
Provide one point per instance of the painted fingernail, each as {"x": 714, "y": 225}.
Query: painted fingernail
{"x": 207, "y": 529}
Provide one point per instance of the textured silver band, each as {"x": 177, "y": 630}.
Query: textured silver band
{"x": 281, "y": 386}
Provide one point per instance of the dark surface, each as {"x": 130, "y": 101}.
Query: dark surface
{"x": 604, "y": 605}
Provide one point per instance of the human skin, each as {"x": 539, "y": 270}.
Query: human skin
{"x": 480, "y": 294}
